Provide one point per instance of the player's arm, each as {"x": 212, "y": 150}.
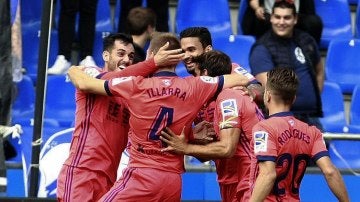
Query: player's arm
{"x": 235, "y": 79}
{"x": 264, "y": 181}
{"x": 333, "y": 178}
{"x": 162, "y": 58}
{"x": 224, "y": 148}
{"x": 86, "y": 83}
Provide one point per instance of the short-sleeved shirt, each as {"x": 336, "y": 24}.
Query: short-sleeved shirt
{"x": 234, "y": 110}
{"x": 290, "y": 143}
{"x": 306, "y": 100}
{"x": 154, "y": 103}
{"x": 101, "y": 126}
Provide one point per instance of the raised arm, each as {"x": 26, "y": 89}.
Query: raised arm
{"x": 162, "y": 58}
{"x": 235, "y": 79}
{"x": 84, "y": 82}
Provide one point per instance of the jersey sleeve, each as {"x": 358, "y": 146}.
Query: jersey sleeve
{"x": 144, "y": 68}
{"x": 264, "y": 143}
{"x": 206, "y": 87}
{"x": 319, "y": 148}
{"x": 121, "y": 87}
{"x": 227, "y": 110}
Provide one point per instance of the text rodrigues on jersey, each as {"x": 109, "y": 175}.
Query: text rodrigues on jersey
{"x": 295, "y": 133}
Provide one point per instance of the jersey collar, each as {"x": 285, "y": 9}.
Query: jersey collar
{"x": 165, "y": 73}
{"x": 282, "y": 114}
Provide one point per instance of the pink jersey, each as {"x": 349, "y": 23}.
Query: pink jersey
{"x": 157, "y": 102}
{"x": 290, "y": 143}
{"x": 101, "y": 128}
{"x": 234, "y": 110}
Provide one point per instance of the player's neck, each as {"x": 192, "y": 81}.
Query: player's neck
{"x": 167, "y": 69}
{"x": 274, "y": 109}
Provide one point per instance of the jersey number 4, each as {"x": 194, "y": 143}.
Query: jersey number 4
{"x": 163, "y": 119}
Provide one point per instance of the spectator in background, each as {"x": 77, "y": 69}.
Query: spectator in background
{"x": 257, "y": 17}
{"x": 140, "y": 24}
{"x": 291, "y": 48}
{"x": 67, "y": 33}
{"x": 160, "y": 7}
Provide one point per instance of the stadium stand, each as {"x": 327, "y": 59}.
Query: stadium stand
{"x": 237, "y": 47}
{"x": 340, "y": 66}
{"x": 335, "y": 27}
{"x": 214, "y": 15}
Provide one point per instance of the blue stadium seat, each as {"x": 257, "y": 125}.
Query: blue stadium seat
{"x": 60, "y": 100}
{"x": 341, "y": 66}
{"x": 31, "y": 14}
{"x": 237, "y": 47}
{"x": 353, "y": 2}
{"x": 335, "y": 27}
{"x": 25, "y": 98}
{"x": 215, "y": 15}
{"x": 357, "y": 21}
{"x": 181, "y": 70}
{"x": 242, "y": 8}
{"x": 355, "y": 107}
{"x": 333, "y": 108}
{"x": 103, "y": 17}
{"x": 345, "y": 153}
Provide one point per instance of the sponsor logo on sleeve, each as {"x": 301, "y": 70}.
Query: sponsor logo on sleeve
{"x": 208, "y": 79}
{"x": 260, "y": 141}
{"x": 241, "y": 70}
{"x": 229, "y": 112}
{"x": 116, "y": 81}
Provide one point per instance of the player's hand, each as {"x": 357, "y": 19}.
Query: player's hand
{"x": 176, "y": 143}
{"x": 168, "y": 57}
{"x": 204, "y": 132}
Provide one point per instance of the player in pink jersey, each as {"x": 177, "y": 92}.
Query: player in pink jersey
{"x": 234, "y": 116}
{"x": 196, "y": 41}
{"x": 284, "y": 145}
{"x": 165, "y": 100}
{"x": 101, "y": 125}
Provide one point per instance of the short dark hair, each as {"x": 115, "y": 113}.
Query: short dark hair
{"x": 215, "y": 62}
{"x": 160, "y": 38}
{"x": 285, "y": 4}
{"x": 138, "y": 20}
{"x": 108, "y": 41}
{"x": 283, "y": 82}
{"x": 200, "y": 32}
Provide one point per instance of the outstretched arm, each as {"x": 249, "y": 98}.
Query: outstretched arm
{"x": 84, "y": 82}
{"x": 224, "y": 148}
{"x": 333, "y": 178}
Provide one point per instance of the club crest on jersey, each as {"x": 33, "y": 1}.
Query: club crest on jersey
{"x": 116, "y": 81}
{"x": 260, "y": 141}
{"x": 208, "y": 79}
{"x": 229, "y": 112}
{"x": 91, "y": 71}
{"x": 166, "y": 82}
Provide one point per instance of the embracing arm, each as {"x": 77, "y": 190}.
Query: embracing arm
{"x": 86, "y": 83}
{"x": 224, "y": 148}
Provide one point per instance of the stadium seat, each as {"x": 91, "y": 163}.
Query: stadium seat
{"x": 333, "y": 108}
{"x": 335, "y": 27}
{"x": 242, "y": 8}
{"x": 60, "y": 100}
{"x": 31, "y": 14}
{"x": 215, "y": 15}
{"x": 345, "y": 153}
{"x": 25, "y": 98}
{"x": 357, "y": 21}
{"x": 181, "y": 70}
{"x": 237, "y": 47}
{"x": 103, "y": 17}
{"x": 355, "y": 107}
{"x": 341, "y": 66}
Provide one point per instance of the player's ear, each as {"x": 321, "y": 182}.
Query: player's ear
{"x": 106, "y": 56}
{"x": 208, "y": 48}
